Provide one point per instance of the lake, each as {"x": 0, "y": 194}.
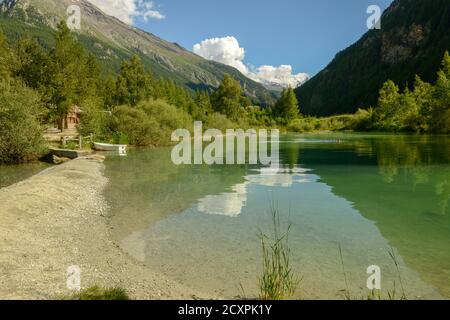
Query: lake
{"x": 366, "y": 193}
{"x": 11, "y": 174}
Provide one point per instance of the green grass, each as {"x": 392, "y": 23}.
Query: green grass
{"x": 392, "y": 295}
{"x": 376, "y": 294}
{"x": 278, "y": 280}
{"x": 347, "y": 289}
{"x": 96, "y": 293}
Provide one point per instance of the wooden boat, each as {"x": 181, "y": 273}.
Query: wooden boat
{"x": 121, "y": 148}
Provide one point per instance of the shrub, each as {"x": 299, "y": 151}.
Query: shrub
{"x": 134, "y": 126}
{"x": 95, "y": 121}
{"x": 301, "y": 125}
{"x": 20, "y": 130}
{"x": 168, "y": 116}
{"x": 149, "y": 123}
{"x": 362, "y": 120}
{"x": 96, "y": 293}
{"x": 219, "y": 121}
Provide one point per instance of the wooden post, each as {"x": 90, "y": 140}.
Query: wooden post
{"x": 64, "y": 141}
{"x": 80, "y": 141}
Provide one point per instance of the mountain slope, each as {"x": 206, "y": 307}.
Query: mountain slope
{"x": 413, "y": 39}
{"x": 112, "y": 41}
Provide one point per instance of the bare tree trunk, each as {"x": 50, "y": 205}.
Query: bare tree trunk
{"x": 60, "y": 124}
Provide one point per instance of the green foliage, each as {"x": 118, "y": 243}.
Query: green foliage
{"x": 134, "y": 126}
{"x": 202, "y": 107}
{"x": 286, "y": 107}
{"x": 97, "y": 294}
{"x": 425, "y": 109}
{"x": 151, "y": 122}
{"x": 257, "y": 117}
{"x": 228, "y": 98}
{"x": 173, "y": 93}
{"x": 20, "y": 129}
{"x": 419, "y": 28}
{"x": 70, "y": 75}
{"x": 360, "y": 121}
{"x": 440, "y": 113}
{"x": 133, "y": 83}
{"x": 171, "y": 62}
{"x": 278, "y": 280}
{"x": 95, "y": 120}
{"x": 4, "y": 58}
{"x": 219, "y": 121}
{"x": 30, "y": 62}
{"x": 388, "y": 114}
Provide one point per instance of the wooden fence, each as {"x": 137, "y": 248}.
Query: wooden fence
{"x": 80, "y": 139}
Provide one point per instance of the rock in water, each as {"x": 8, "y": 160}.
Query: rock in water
{"x": 59, "y": 160}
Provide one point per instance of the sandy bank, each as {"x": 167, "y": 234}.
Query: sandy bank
{"x": 55, "y": 220}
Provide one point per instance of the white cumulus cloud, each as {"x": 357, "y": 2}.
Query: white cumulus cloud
{"x": 224, "y": 50}
{"x": 128, "y": 10}
{"x": 280, "y": 76}
{"x": 227, "y": 50}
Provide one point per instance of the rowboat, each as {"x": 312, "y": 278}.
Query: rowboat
{"x": 121, "y": 148}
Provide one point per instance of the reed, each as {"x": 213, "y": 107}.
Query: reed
{"x": 347, "y": 288}
{"x": 392, "y": 295}
{"x": 278, "y": 280}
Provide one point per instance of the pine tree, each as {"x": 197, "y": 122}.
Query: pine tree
{"x": 30, "y": 62}
{"x": 422, "y": 94}
{"x": 107, "y": 91}
{"x": 227, "y": 98}
{"x": 388, "y": 105}
{"x": 440, "y": 113}
{"x": 67, "y": 75}
{"x": 287, "y": 107}
{"x": 201, "y": 106}
{"x": 134, "y": 83}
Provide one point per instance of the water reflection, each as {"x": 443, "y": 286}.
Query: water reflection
{"x": 227, "y": 204}
{"x": 232, "y": 203}
{"x": 11, "y": 174}
{"x": 402, "y": 184}
{"x": 367, "y": 192}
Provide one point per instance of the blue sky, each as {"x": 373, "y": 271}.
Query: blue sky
{"x": 276, "y": 43}
{"x": 303, "y": 33}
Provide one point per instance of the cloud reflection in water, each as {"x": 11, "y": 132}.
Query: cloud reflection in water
{"x": 231, "y": 203}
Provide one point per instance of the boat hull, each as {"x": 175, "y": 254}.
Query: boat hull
{"x": 110, "y": 147}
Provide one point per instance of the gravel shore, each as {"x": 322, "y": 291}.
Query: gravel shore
{"x": 57, "y": 219}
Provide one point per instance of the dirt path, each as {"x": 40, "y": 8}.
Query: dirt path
{"x": 55, "y": 220}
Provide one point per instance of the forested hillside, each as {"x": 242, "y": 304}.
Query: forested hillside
{"x": 412, "y": 41}
{"x": 112, "y": 41}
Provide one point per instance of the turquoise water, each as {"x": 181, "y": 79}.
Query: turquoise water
{"x": 200, "y": 225}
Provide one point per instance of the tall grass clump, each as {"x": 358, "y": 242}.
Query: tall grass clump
{"x": 347, "y": 288}
{"x": 97, "y": 294}
{"x": 392, "y": 295}
{"x": 278, "y": 280}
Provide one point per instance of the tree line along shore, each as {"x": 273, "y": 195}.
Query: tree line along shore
{"x": 39, "y": 86}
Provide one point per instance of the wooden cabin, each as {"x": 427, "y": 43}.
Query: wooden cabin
{"x": 73, "y": 118}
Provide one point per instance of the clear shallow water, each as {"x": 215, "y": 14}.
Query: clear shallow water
{"x": 199, "y": 225}
{"x": 11, "y": 174}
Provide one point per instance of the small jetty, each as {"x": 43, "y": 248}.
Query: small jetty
{"x": 68, "y": 153}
